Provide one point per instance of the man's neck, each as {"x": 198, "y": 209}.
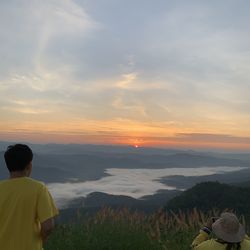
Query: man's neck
{"x": 17, "y": 174}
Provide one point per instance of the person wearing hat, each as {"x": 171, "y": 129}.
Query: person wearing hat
{"x": 230, "y": 234}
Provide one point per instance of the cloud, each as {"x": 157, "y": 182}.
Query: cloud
{"x": 183, "y": 66}
{"x": 40, "y": 34}
{"x": 35, "y": 70}
{"x": 127, "y": 80}
{"x": 130, "y": 182}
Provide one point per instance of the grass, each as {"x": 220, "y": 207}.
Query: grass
{"x": 121, "y": 229}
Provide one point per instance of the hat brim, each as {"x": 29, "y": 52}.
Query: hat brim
{"x": 231, "y": 238}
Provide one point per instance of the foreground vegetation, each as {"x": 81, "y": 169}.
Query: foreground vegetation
{"x": 122, "y": 229}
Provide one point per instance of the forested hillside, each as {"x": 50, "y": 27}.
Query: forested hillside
{"x": 212, "y": 195}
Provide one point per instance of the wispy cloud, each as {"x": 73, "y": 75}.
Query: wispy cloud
{"x": 127, "y": 80}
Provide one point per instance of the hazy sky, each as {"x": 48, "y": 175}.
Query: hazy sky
{"x": 162, "y": 73}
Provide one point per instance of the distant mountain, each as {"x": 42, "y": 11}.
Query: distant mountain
{"x": 185, "y": 182}
{"x": 97, "y": 200}
{"x": 209, "y": 195}
{"x": 62, "y": 168}
{"x": 65, "y": 149}
{"x": 149, "y": 202}
{"x": 239, "y": 156}
{"x": 203, "y": 196}
{"x": 195, "y": 159}
{"x": 70, "y": 163}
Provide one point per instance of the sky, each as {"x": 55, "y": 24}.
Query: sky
{"x": 132, "y": 72}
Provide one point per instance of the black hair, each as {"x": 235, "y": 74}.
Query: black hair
{"x": 233, "y": 246}
{"x": 17, "y": 157}
{"x": 230, "y": 246}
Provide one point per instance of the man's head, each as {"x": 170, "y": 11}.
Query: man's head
{"x": 18, "y": 158}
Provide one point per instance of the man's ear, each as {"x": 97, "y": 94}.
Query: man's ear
{"x": 29, "y": 169}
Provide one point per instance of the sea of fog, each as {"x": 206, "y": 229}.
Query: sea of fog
{"x": 130, "y": 182}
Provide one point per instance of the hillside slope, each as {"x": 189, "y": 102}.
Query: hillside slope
{"x": 209, "y": 195}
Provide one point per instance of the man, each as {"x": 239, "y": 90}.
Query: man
{"x": 27, "y": 210}
{"x": 230, "y": 234}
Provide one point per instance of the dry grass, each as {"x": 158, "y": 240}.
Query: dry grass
{"x": 115, "y": 228}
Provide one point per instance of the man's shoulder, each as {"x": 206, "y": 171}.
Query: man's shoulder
{"x": 26, "y": 179}
{"x": 26, "y": 185}
{"x": 2, "y": 182}
{"x": 208, "y": 245}
{"x": 246, "y": 243}
{"x": 35, "y": 183}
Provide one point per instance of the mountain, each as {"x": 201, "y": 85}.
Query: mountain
{"x": 210, "y": 195}
{"x": 185, "y": 182}
{"x": 204, "y": 196}
{"x": 100, "y": 199}
{"x": 243, "y": 184}
{"x": 97, "y": 200}
{"x": 65, "y": 149}
{"x": 92, "y": 166}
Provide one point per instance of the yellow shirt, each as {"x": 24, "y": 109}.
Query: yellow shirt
{"x": 202, "y": 242}
{"x": 24, "y": 204}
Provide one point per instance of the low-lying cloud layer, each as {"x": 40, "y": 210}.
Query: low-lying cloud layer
{"x": 130, "y": 182}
